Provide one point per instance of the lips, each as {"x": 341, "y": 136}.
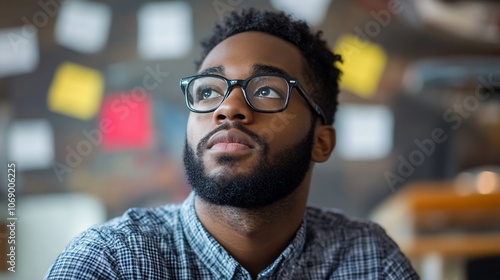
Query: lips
{"x": 230, "y": 140}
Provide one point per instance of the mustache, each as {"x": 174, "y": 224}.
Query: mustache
{"x": 227, "y": 126}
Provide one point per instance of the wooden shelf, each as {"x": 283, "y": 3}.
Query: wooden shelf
{"x": 434, "y": 217}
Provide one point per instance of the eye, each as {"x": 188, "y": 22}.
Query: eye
{"x": 267, "y": 92}
{"x": 207, "y": 93}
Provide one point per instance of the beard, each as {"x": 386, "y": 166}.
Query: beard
{"x": 270, "y": 180}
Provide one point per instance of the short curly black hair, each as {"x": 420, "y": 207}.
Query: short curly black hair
{"x": 320, "y": 70}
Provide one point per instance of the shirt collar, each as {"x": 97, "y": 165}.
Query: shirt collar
{"x": 217, "y": 259}
{"x": 290, "y": 255}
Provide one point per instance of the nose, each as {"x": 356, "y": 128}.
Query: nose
{"x": 234, "y": 108}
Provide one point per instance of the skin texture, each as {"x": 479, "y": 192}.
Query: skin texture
{"x": 255, "y": 236}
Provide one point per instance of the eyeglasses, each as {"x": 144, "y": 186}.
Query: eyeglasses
{"x": 265, "y": 93}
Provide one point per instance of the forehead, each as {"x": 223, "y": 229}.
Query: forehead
{"x": 238, "y": 54}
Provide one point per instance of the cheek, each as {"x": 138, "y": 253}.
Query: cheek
{"x": 195, "y": 129}
{"x": 285, "y": 128}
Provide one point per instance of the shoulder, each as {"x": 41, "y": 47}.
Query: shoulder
{"x": 135, "y": 223}
{"x": 356, "y": 244}
{"x": 144, "y": 221}
{"x": 105, "y": 250}
{"x": 331, "y": 225}
{"x": 331, "y": 221}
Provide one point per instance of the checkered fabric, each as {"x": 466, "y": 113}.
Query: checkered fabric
{"x": 169, "y": 242}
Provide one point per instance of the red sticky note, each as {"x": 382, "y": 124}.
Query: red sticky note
{"x": 128, "y": 120}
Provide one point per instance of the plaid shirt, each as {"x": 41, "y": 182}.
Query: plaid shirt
{"x": 169, "y": 242}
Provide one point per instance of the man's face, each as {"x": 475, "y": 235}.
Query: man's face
{"x": 236, "y": 156}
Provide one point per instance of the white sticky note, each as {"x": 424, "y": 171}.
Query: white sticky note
{"x": 83, "y": 26}
{"x": 19, "y": 52}
{"x": 30, "y": 144}
{"x": 70, "y": 214}
{"x": 364, "y": 132}
{"x": 313, "y": 12}
{"x": 165, "y": 30}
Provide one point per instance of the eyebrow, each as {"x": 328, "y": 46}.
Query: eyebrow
{"x": 213, "y": 70}
{"x": 256, "y": 69}
{"x": 267, "y": 69}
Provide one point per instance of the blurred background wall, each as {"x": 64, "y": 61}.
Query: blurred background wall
{"x": 91, "y": 111}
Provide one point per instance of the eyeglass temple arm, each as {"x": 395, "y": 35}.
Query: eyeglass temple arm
{"x": 311, "y": 102}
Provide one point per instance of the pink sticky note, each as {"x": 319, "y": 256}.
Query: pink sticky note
{"x": 128, "y": 119}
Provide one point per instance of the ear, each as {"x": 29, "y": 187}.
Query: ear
{"x": 324, "y": 142}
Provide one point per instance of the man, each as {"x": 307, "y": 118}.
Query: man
{"x": 262, "y": 107}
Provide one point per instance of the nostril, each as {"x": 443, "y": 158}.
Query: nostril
{"x": 236, "y": 116}
{"x": 221, "y": 117}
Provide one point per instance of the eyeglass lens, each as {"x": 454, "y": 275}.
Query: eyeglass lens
{"x": 266, "y": 93}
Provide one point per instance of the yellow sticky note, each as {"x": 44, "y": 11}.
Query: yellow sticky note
{"x": 76, "y": 91}
{"x": 363, "y": 64}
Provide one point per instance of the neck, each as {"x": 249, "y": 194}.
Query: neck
{"x": 255, "y": 237}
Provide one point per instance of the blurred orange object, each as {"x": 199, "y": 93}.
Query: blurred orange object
{"x": 447, "y": 218}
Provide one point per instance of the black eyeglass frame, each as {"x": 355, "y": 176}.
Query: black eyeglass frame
{"x": 292, "y": 83}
